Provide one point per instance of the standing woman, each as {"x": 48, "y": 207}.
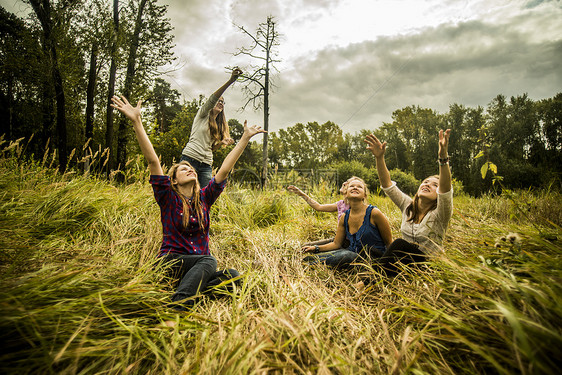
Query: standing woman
{"x": 184, "y": 209}
{"x": 209, "y": 132}
{"x": 425, "y": 217}
{"x": 363, "y": 225}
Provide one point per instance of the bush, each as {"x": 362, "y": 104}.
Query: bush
{"x": 347, "y": 169}
{"x": 405, "y": 181}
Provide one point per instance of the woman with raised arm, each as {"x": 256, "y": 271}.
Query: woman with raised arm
{"x": 209, "y": 132}
{"x": 340, "y": 207}
{"x": 425, "y": 217}
{"x": 184, "y": 208}
{"x": 363, "y": 225}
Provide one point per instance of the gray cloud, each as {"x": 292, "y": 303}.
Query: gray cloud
{"x": 469, "y": 63}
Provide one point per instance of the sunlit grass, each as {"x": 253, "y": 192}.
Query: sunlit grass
{"x": 80, "y": 292}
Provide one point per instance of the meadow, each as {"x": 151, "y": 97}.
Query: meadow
{"x": 80, "y": 293}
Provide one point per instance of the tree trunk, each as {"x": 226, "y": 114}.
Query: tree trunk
{"x": 10, "y": 107}
{"x": 90, "y": 94}
{"x": 42, "y": 9}
{"x": 266, "y": 102}
{"x": 124, "y": 127}
{"x": 111, "y": 88}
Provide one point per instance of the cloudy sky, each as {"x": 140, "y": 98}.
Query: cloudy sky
{"x": 354, "y": 62}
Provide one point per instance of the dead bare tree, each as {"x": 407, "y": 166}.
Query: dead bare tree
{"x": 256, "y": 79}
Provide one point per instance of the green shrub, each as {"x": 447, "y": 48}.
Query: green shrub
{"x": 405, "y": 181}
{"x": 347, "y": 169}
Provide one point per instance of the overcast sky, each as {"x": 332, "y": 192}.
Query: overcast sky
{"x": 354, "y": 62}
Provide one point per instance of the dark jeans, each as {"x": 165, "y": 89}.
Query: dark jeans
{"x": 341, "y": 258}
{"x": 400, "y": 252}
{"x": 194, "y": 274}
{"x": 204, "y": 171}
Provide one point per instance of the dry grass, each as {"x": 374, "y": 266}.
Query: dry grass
{"x": 80, "y": 293}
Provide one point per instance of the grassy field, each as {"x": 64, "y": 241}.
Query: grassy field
{"x": 79, "y": 292}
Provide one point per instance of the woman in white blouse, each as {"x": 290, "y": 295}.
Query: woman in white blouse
{"x": 426, "y": 216}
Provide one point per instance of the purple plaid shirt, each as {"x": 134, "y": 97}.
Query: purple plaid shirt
{"x": 191, "y": 240}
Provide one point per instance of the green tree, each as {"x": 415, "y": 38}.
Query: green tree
{"x": 546, "y": 150}
{"x": 512, "y": 126}
{"x": 307, "y": 146}
{"x": 164, "y": 104}
{"x": 169, "y": 145}
{"x": 414, "y": 131}
{"x": 463, "y": 145}
{"x": 46, "y": 16}
{"x": 22, "y": 67}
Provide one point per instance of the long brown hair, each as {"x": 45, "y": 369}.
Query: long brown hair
{"x": 413, "y": 210}
{"x": 218, "y": 127}
{"x": 195, "y": 205}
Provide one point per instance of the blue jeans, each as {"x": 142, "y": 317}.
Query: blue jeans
{"x": 341, "y": 258}
{"x": 204, "y": 171}
{"x": 194, "y": 274}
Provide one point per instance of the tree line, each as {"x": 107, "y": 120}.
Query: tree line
{"x": 521, "y": 136}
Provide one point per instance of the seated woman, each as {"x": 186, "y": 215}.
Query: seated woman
{"x": 363, "y": 225}
{"x": 425, "y": 217}
{"x": 340, "y": 207}
{"x": 184, "y": 208}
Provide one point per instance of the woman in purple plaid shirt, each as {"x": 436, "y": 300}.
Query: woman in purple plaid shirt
{"x": 184, "y": 208}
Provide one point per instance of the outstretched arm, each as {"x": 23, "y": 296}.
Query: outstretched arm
{"x": 134, "y": 114}
{"x": 444, "y": 171}
{"x": 331, "y": 207}
{"x": 334, "y": 245}
{"x": 232, "y": 157}
{"x": 224, "y": 142}
{"x": 378, "y": 149}
{"x": 236, "y": 72}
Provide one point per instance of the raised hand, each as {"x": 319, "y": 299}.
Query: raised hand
{"x": 375, "y": 146}
{"x": 236, "y": 72}
{"x": 227, "y": 141}
{"x": 123, "y": 105}
{"x": 294, "y": 189}
{"x": 444, "y": 143}
{"x": 250, "y": 131}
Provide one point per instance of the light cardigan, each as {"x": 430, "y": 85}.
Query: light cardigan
{"x": 430, "y": 232}
{"x": 199, "y": 146}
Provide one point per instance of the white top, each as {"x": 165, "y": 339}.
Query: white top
{"x": 430, "y": 232}
{"x": 200, "y": 145}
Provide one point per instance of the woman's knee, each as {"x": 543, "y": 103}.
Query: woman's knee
{"x": 209, "y": 262}
{"x": 399, "y": 244}
{"x": 342, "y": 258}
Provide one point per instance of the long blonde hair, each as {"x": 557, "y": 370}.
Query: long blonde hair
{"x": 413, "y": 210}
{"x": 195, "y": 205}
{"x": 218, "y": 127}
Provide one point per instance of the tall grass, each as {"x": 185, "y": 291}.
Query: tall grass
{"x": 80, "y": 292}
